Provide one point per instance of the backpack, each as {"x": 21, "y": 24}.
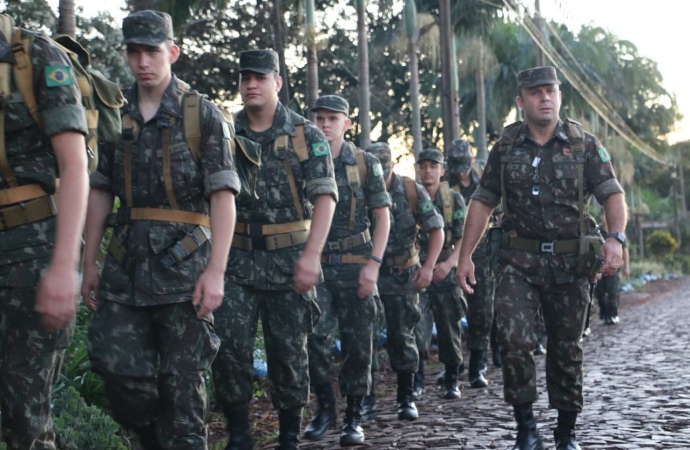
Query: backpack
{"x": 355, "y": 174}
{"x": 101, "y": 98}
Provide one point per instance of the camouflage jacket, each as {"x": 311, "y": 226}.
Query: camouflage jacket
{"x": 147, "y": 241}
{"x": 273, "y": 203}
{"x": 459, "y": 211}
{"x": 29, "y": 151}
{"x": 371, "y": 194}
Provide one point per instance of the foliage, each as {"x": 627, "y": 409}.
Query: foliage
{"x": 677, "y": 263}
{"x": 645, "y": 266}
{"x": 661, "y": 243}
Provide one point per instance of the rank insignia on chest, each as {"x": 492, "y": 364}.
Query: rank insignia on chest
{"x": 378, "y": 171}
{"x": 58, "y": 76}
{"x": 427, "y": 206}
{"x": 321, "y": 149}
{"x": 604, "y": 154}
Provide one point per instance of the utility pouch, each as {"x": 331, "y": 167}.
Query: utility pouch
{"x": 588, "y": 262}
{"x": 493, "y": 247}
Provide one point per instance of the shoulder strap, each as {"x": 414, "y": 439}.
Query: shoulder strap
{"x": 191, "y": 116}
{"x": 8, "y": 174}
{"x": 355, "y": 174}
{"x": 24, "y": 73}
{"x": 412, "y": 195}
{"x": 447, "y": 200}
{"x": 508, "y": 137}
{"x": 299, "y": 143}
{"x": 576, "y": 138}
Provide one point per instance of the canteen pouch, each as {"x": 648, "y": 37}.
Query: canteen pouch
{"x": 588, "y": 262}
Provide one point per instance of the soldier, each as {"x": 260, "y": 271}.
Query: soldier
{"x": 607, "y": 290}
{"x": 38, "y": 248}
{"x": 545, "y": 170}
{"x": 350, "y": 263}
{"x": 464, "y": 177}
{"x": 401, "y": 276}
{"x": 275, "y": 262}
{"x": 151, "y": 336}
{"x": 443, "y": 297}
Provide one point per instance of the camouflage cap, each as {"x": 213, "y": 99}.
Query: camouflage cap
{"x": 147, "y": 28}
{"x": 537, "y": 76}
{"x": 383, "y": 152}
{"x": 259, "y": 61}
{"x": 430, "y": 154}
{"x": 459, "y": 156}
{"x": 332, "y": 103}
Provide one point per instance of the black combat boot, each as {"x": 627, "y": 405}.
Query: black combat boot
{"x": 451, "y": 383}
{"x": 539, "y": 348}
{"x": 476, "y": 374}
{"x": 564, "y": 433}
{"x": 418, "y": 388}
{"x": 369, "y": 403}
{"x": 352, "y": 433}
{"x": 406, "y": 407}
{"x": 441, "y": 379}
{"x": 148, "y": 437}
{"x": 614, "y": 315}
{"x": 238, "y": 426}
{"x": 496, "y": 355}
{"x": 289, "y": 422}
{"x": 324, "y": 419}
{"x": 527, "y": 437}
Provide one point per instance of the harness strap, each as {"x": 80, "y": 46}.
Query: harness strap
{"x": 447, "y": 200}
{"x": 269, "y": 243}
{"x": 335, "y": 259}
{"x": 401, "y": 260}
{"x": 21, "y": 193}
{"x": 126, "y": 215}
{"x": 348, "y": 243}
{"x": 167, "y": 172}
{"x": 29, "y": 212}
{"x": 258, "y": 229}
{"x": 128, "y": 124}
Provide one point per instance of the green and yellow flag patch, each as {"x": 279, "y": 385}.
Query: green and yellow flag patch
{"x": 427, "y": 206}
{"x": 604, "y": 155}
{"x": 378, "y": 171}
{"x": 321, "y": 149}
{"x": 58, "y": 76}
{"x": 458, "y": 214}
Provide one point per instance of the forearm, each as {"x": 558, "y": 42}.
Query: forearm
{"x": 222, "y": 229}
{"x": 383, "y": 226}
{"x": 99, "y": 206}
{"x": 616, "y": 213}
{"x": 436, "y": 238}
{"x": 475, "y": 224}
{"x": 324, "y": 207}
{"x": 455, "y": 256}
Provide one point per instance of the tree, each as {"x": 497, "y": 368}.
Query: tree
{"x": 312, "y": 60}
{"x": 363, "y": 74}
{"x": 67, "y": 23}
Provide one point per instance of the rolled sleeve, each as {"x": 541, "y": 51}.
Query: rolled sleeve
{"x": 321, "y": 186}
{"x": 432, "y": 223}
{"x": 487, "y": 197}
{"x": 63, "y": 118}
{"x": 609, "y": 187}
{"x": 218, "y": 181}
{"x": 99, "y": 181}
{"x": 380, "y": 200}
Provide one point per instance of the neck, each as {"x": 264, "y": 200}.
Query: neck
{"x": 432, "y": 189}
{"x": 261, "y": 119}
{"x": 465, "y": 181}
{"x": 153, "y": 94}
{"x": 541, "y": 133}
{"x": 389, "y": 181}
{"x": 336, "y": 145}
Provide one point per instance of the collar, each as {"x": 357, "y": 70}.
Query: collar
{"x": 170, "y": 103}
{"x": 525, "y": 134}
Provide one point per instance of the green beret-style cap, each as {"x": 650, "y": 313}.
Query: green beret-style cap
{"x": 537, "y": 76}
{"x": 259, "y": 61}
{"x": 332, "y": 103}
{"x": 147, "y": 28}
{"x": 430, "y": 154}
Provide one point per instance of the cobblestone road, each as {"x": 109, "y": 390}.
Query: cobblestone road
{"x": 637, "y": 390}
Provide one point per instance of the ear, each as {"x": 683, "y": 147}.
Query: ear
{"x": 519, "y": 101}
{"x": 174, "y": 53}
{"x": 348, "y": 123}
{"x": 279, "y": 83}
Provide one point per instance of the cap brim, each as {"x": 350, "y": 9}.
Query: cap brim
{"x": 143, "y": 41}
{"x": 539, "y": 83}
{"x": 430, "y": 159}
{"x": 316, "y": 108}
{"x": 257, "y": 70}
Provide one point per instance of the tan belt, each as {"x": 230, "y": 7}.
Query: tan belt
{"x": 400, "y": 267}
{"x": 21, "y": 194}
{"x": 343, "y": 245}
{"x": 253, "y": 229}
{"x": 126, "y": 215}
{"x": 269, "y": 243}
{"x": 537, "y": 246}
{"x": 337, "y": 258}
{"x": 401, "y": 260}
{"x": 31, "y": 211}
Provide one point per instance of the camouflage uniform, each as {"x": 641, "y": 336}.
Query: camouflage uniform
{"x": 29, "y": 352}
{"x": 529, "y": 280}
{"x": 145, "y": 339}
{"x": 607, "y": 292}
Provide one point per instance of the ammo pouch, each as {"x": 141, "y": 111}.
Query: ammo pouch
{"x": 588, "y": 262}
{"x": 494, "y": 238}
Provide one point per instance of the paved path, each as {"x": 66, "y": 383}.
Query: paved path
{"x": 637, "y": 390}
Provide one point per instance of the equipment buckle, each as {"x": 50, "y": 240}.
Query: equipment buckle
{"x": 548, "y": 247}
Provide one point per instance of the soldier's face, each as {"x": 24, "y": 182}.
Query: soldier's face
{"x": 151, "y": 65}
{"x": 430, "y": 172}
{"x": 259, "y": 90}
{"x": 333, "y": 124}
{"x": 540, "y": 104}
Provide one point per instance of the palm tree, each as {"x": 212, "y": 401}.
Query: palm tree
{"x": 67, "y": 22}
{"x": 312, "y": 61}
{"x": 412, "y": 31}
{"x": 363, "y": 74}
{"x": 449, "y": 97}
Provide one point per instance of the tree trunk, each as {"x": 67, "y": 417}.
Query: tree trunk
{"x": 538, "y": 22}
{"x": 481, "y": 108}
{"x": 312, "y": 60}
{"x": 449, "y": 96}
{"x": 67, "y": 22}
{"x": 363, "y": 75}
{"x": 279, "y": 46}
{"x": 414, "y": 99}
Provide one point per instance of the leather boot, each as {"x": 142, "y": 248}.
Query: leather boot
{"x": 527, "y": 436}
{"x": 476, "y": 375}
{"x": 441, "y": 379}
{"x": 324, "y": 419}
{"x": 451, "y": 383}
{"x": 352, "y": 433}
{"x": 564, "y": 433}
{"x": 148, "y": 437}
{"x": 289, "y": 422}
{"x": 496, "y": 356}
{"x": 614, "y": 315}
{"x": 238, "y": 426}
{"x": 406, "y": 407}
{"x": 369, "y": 403}
{"x": 418, "y": 388}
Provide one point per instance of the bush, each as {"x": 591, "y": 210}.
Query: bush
{"x": 677, "y": 263}
{"x": 638, "y": 268}
{"x": 661, "y": 243}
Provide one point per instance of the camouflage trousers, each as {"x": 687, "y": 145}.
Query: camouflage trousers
{"x": 152, "y": 361}
{"x": 444, "y": 308}
{"x": 480, "y": 307}
{"x": 28, "y": 359}
{"x": 563, "y": 307}
{"x": 355, "y": 317}
{"x": 286, "y": 319}
{"x": 607, "y": 292}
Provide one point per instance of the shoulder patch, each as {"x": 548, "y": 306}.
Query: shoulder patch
{"x": 459, "y": 214}
{"x": 604, "y": 154}
{"x": 426, "y": 206}
{"x": 321, "y": 148}
{"x": 58, "y": 76}
{"x": 226, "y": 131}
{"x": 378, "y": 170}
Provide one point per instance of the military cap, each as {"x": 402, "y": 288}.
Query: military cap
{"x": 259, "y": 61}
{"x": 430, "y": 154}
{"x": 147, "y": 27}
{"x": 459, "y": 157}
{"x": 332, "y": 103}
{"x": 383, "y": 152}
{"x": 537, "y": 76}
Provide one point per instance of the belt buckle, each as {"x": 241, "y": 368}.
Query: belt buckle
{"x": 548, "y": 247}
{"x": 194, "y": 237}
{"x": 254, "y": 229}
{"x": 333, "y": 246}
{"x": 335, "y": 259}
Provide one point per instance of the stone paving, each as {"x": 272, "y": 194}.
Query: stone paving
{"x": 637, "y": 390}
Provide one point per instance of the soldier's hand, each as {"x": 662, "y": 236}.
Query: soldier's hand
{"x": 612, "y": 252}
{"x": 368, "y": 277}
{"x": 464, "y": 273}
{"x": 422, "y": 278}
{"x": 441, "y": 271}
{"x": 208, "y": 292}
{"x": 56, "y": 297}
{"x": 306, "y": 274}
{"x": 89, "y": 287}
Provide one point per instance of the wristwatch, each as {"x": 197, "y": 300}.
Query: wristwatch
{"x": 620, "y": 237}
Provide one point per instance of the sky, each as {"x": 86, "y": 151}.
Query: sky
{"x": 659, "y": 30}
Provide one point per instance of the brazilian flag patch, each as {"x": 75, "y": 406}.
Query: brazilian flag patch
{"x": 427, "y": 206}
{"x": 378, "y": 171}
{"x": 57, "y": 76}
{"x": 458, "y": 214}
{"x": 604, "y": 155}
{"x": 321, "y": 149}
